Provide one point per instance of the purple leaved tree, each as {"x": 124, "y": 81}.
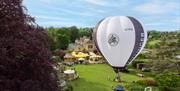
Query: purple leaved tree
{"x": 25, "y": 59}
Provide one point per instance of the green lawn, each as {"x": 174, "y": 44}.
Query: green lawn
{"x": 94, "y": 77}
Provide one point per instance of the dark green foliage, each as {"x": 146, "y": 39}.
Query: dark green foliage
{"x": 135, "y": 87}
{"x": 146, "y": 70}
{"x": 73, "y": 33}
{"x": 85, "y": 32}
{"x": 62, "y": 41}
{"x": 163, "y": 48}
{"x": 58, "y": 38}
{"x": 141, "y": 56}
{"x": 56, "y": 59}
{"x": 153, "y": 39}
{"x": 168, "y": 80}
{"x": 178, "y": 36}
{"x": 154, "y": 35}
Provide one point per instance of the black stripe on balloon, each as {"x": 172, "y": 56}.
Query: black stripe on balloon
{"x": 95, "y": 35}
{"x": 139, "y": 38}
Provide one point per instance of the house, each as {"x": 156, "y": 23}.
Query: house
{"x": 84, "y": 44}
{"x": 70, "y": 75}
{"x": 80, "y": 57}
{"x": 95, "y": 59}
{"x": 140, "y": 65}
{"x": 178, "y": 56}
{"x": 69, "y": 58}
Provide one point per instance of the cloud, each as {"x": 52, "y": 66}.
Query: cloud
{"x": 155, "y": 14}
{"x": 62, "y": 24}
{"x": 108, "y": 3}
{"x": 51, "y": 17}
{"x": 97, "y": 2}
{"x": 84, "y": 13}
{"x": 156, "y": 7}
{"x": 154, "y": 24}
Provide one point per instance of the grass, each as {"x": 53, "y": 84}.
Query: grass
{"x": 99, "y": 77}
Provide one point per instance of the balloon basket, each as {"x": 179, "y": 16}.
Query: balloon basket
{"x": 117, "y": 77}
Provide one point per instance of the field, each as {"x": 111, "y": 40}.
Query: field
{"x": 98, "y": 77}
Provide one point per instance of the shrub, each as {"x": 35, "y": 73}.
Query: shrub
{"x": 147, "y": 82}
{"x": 125, "y": 70}
{"x": 135, "y": 87}
{"x": 168, "y": 80}
{"x": 60, "y": 53}
{"x": 57, "y": 59}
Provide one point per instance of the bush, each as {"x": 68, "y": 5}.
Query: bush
{"x": 135, "y": 87}
{"x": 57, "y": 59}
{"x": 141, "y": 56}
{"x": 170, "y": 88}
{"x": 147, "y": 82}
{"x": 125, "y": 70}
{"x": 168, "y": 80}
{"x": 60, "y": 53}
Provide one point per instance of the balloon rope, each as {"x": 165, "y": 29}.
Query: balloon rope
{"x": 118, "y": 77}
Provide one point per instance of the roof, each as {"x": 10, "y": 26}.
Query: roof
{"x": 68, "y": 55}
{"x": 69, "y": 71}
{"x": 93, "y": 55}
{"x": 178, "y": 56}
{"x": 80, "y": 54}
{"x": 81, "y": 59}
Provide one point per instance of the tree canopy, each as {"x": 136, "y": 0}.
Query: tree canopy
{"x": 59, "y": 38}
{"x": 25, "y": 59}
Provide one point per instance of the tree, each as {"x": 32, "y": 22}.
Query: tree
{"x": 168, "y": 80}
{"x": 154, "y": 34}
{"x": 85, "y": 32}
{"x": 59, "y": 38}
{"x": 52, "y": 38}
{"x": 25, "y": 59}
{"x": 178, "y": 36}
{"x": 164, "y": 56}
{"x": 62, "y": 41}
{"x": 73, "y": 33}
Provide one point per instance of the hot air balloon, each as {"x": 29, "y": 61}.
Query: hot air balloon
{"x": 119, "y": 39}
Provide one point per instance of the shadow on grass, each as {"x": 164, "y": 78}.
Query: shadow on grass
{"x": 83, "y": 85}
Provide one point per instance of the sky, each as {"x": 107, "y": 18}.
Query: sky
{"x": 162, "y": 15}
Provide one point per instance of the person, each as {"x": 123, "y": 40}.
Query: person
{"x": 117, "y": 79}
{"x": 118, "y": 88}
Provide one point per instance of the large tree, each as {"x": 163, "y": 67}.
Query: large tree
{"x": 73, "y": 33}
{"x": 25, "y": 60}
{"x": 85, "y": 32}
{"x": 164, "y": 56}
{"x": 178, "y": 36}
{"x": 59, "y": 38}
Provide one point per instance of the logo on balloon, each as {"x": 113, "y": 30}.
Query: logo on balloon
{"x": 113, "y": 39}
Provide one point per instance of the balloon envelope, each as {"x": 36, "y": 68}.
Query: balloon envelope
{"x": 119, "y": 39}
